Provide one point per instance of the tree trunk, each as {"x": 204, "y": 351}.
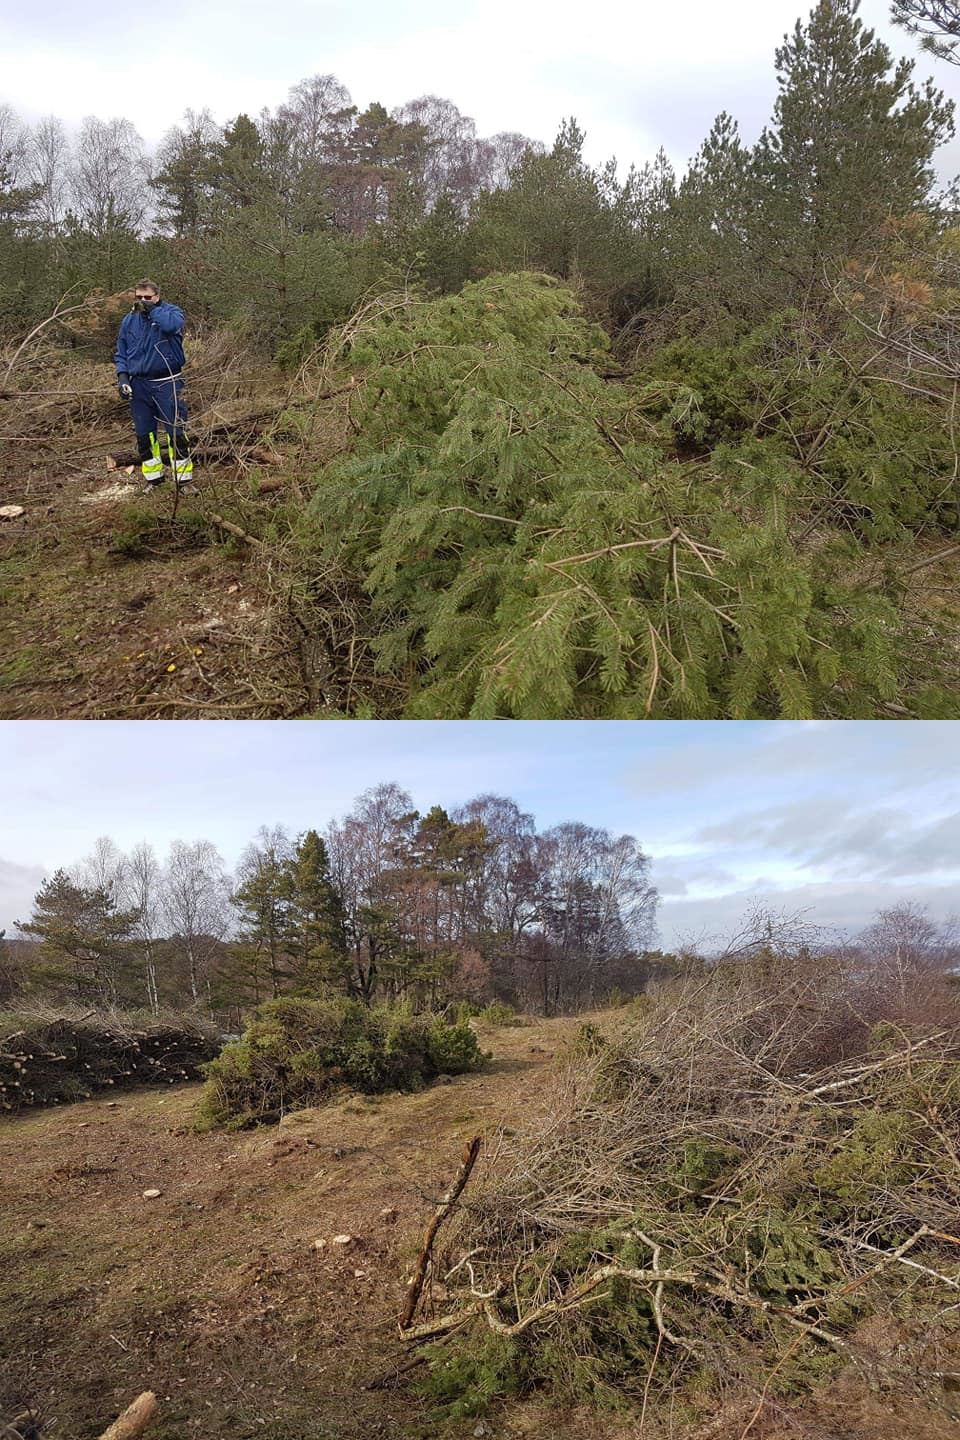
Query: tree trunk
{"x": 152, "y": 993}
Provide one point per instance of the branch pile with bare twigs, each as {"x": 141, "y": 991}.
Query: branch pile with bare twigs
{"x": 757, "y": 1162}
{"x": 47, "y": 1058}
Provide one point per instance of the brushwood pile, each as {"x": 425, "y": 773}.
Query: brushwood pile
{"x": 51, "y": 1058}
{"x": 740, "y": 1179}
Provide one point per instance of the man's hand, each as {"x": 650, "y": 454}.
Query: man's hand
{"x": 124, "y": 386}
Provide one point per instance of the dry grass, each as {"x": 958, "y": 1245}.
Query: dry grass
{"x": 213, "y": 1295}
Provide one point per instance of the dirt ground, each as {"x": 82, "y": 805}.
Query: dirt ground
{"x": 116, "y": 604}
{"x": 111, "y": 606}
{"x": 214, "y": 1294}
{"x": 217, "y": 1295}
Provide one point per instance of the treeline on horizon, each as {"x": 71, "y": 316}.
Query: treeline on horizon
{"x": 280, "y": 223}
{"x": 388, "y": 905}
{"x": 383, "y": 905}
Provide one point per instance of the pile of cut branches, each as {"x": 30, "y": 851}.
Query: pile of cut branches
{"x": 539, "y": 539}
{"x": 48, "y": 1057}
{"x": 723, "y": 1192}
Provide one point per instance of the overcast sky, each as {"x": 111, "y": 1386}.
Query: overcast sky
{"x": 636, "y": 74}
{"x": 843, "y": 818}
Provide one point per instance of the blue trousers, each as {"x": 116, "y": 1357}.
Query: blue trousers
{"x": 156, "y": 402}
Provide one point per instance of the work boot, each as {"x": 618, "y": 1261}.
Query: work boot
{"x": 152, "y": 472}
{"x": 183, "y": 472}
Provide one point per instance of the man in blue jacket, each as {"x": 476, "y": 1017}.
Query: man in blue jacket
{"x": 149, "y": 363}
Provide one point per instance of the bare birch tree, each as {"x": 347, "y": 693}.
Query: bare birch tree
{"x": 142, "y": 892}
{"x": 103, "y": 869}
{"x": 109, "y": 177}
{"x": 196, "y": 907}
{"x": 48, "y": 164}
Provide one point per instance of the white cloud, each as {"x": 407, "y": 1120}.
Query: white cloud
{"x": 841, "y": 910}
{"x": 18, "y": 885}
{"x": 636, "y": 75}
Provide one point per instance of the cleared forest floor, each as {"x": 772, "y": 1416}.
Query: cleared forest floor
{"x": 117, "y": 605}
{"x": 114, "y": 606}
{"x": 213, "y": 1294}
{"x": 216, "y": 1295}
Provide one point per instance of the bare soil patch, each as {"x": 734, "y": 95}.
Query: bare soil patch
{"x": 112, "y": 606}
{"x": 116, "y": 604}
{"x": 214, "y": 1294}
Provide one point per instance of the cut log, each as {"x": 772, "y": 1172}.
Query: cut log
{"x": 134, "y": 1420}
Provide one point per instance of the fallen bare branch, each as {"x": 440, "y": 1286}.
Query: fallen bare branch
{"x": 232, "y": 529}
{"x": 442, "y": 1211}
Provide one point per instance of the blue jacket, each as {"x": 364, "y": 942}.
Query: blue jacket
{"x": 151, "y": 344}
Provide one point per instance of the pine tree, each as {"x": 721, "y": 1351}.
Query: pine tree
{"x": 437, "y": 248}
{"x": 852, "y": 142}
{"x": 16, "y": 201}
{"x": 11, "y": 973}
{"x": 263, "y": 901}
{"x": 937, "y": 22}
{"x": 184, "y": 179}
{"x": 84, "y": 941}
{"x": 560, "y": 216}
{"x": 236, "y": 170}
{"x": 318, "y": 945}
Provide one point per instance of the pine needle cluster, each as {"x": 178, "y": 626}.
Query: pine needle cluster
{"x": 543, "y": 538}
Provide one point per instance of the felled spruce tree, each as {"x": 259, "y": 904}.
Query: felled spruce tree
{"x": 534, "y": 546}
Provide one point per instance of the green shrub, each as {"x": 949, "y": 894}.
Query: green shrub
{"x": 292, "y": 352}
{"x": 498, "y": 1012}
{"x": 463, "y": 1385}
{"x": 451, "y": 1049}
{"x": 299, "y": 1052}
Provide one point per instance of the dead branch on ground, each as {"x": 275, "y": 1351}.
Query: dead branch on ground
{"x": 440, "y": 1214}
